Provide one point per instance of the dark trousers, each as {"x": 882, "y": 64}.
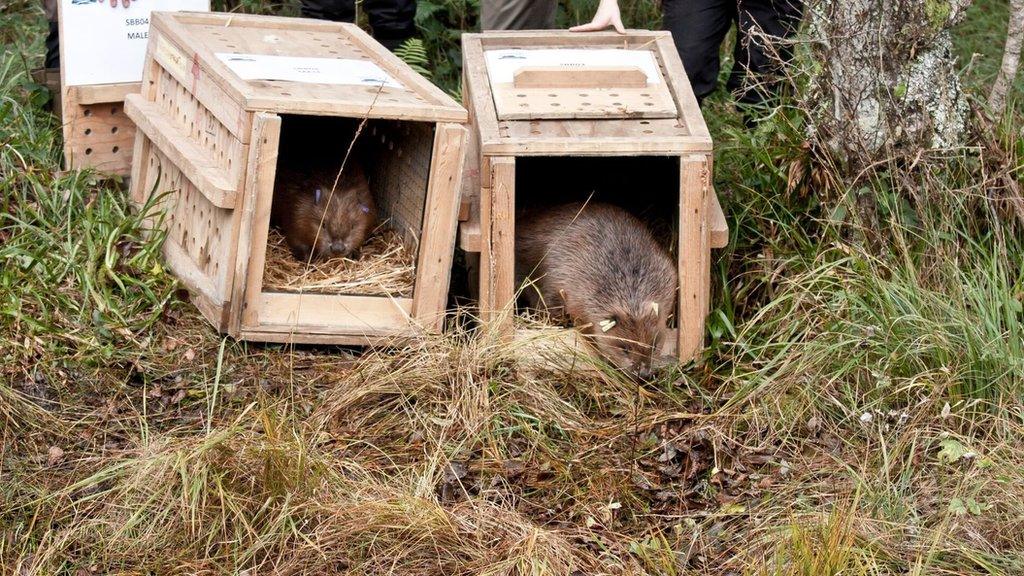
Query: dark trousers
{"x": 391, "y": 20}
{"x": 699, "y": 26}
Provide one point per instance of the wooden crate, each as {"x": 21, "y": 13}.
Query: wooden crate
{"x": 97, "y": 133}
{"x": 564, "y": 113}
{"x": 209, "y": 143}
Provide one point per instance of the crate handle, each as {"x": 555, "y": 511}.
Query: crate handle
{"x": 579, "y": 77}
{"x": 174, "y": 142}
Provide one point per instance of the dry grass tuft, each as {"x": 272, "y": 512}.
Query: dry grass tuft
{"x": 385, "y": 266}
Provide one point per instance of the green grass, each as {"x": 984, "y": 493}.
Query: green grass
{"x": 859, "y": 410}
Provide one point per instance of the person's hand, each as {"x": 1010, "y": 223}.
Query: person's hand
{"x": 125, "y": 3}
{"x": 607, "y": 15}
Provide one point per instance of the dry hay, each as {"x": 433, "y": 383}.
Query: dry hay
{"x": 384, "y": 267}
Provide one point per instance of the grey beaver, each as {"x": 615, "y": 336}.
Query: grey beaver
{"x": 302, "y": 198}
{"x": 600, "y": 267}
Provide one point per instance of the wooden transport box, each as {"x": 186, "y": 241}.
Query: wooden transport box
{"x": 619, "y": 124}
{"x": 210, "y": 145}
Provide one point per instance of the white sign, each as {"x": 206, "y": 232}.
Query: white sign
{"x": 308, "y": 70}
{"x": 502, "y": 64}
{"x": 101, "y": 44}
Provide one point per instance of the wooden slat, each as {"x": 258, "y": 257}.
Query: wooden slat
{"x": 675, "y": 75}
{"x": 591, "y": 77}
{"x": 201, "y": 292}
{"x": 333, "y": 314}
{"x": 385, "y": 339}
{"x": 480, "y": 97}
{"x": 470, "y": 235}
{"x": 214, "y": 182}
{"x": 433, "y": 270}
{"x": 499, "y": 266}
{"x": 599, "y": 104}
{"x": 261, "y": 170}
{"x": 103, "y": 93}
{"x": 694, "y": 253}
{"x": 719, "y": 226}
{"x": 632, "y": 39}
{"x": 471, "y": 171}
{"x": 628, "y": 146}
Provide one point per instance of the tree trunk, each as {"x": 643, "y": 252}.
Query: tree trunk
{"x": 1011, "y": 57}
{"x": 886, "y": 84}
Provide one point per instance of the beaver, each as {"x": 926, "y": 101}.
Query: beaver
{"x": 301, "y": 198}
{"x": 601, "y": 268}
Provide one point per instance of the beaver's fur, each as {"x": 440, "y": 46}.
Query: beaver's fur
{"x": 298, "y": 208}
{"x": 600, "y": 267}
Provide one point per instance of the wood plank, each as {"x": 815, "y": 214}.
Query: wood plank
{"x": 500, "y": 267}
{"x": 437, "y": 245}
{"x": 383, "y": 339}
{"x": 140, "y": 166}
{"x": 632, "y": 39}
{"x": 212, "y": 180}
{"x": 694, "y": 253}
{"x": 717, "y": 222}
{"x": 676, "y": 77}
{"x": 254, "y": 220}
{"x": 591, "y": 77}
{"x": 480, "y": 97}
{"x": 202, "y": 293}
{"x": 471, "y": 172}
{"x": 333, "y": 314}
{"x": 605, "y": 146}
{"x": 103, "y": 93}
{"x": 379, "y": 109}
{"x": 600, "y": 104}
{"x": 470, "y": 236}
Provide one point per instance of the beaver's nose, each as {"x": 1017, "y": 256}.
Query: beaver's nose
{"x": 339, "y": 248}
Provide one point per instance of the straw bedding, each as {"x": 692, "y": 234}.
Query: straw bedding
{"x": 384, "y": 266}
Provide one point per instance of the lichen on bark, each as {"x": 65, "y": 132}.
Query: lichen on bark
{"x": 887, "y": 82}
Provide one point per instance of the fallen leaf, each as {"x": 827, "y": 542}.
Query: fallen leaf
{"x": 54, "y": 456}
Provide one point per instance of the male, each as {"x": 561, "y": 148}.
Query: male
{"x": 392, "y": 21}
{"x": 698, "y": 28}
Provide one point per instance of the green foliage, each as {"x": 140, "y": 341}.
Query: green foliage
{"x": 78, "y": 270}
{"x": 414, "y": 53}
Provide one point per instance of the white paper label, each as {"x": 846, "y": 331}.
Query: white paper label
{"x": 308, "y": 70}
{"x": 107, "y": 45}
{"x": 502, "y": 64}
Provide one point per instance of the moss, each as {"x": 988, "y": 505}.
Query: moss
{"x": 938, "y": 12}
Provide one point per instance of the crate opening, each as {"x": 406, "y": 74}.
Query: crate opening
{"x": 645, "y": 186}
{"x": 395, "y": 158}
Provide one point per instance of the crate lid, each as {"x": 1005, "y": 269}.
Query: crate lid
{"x": 305, "y": 66}
{"x": 565, "y": 82}
{"x": 560, "y": 92}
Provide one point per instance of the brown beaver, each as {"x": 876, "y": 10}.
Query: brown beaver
{"x": 601, "y": 267}
{"x": 301, "y": 199}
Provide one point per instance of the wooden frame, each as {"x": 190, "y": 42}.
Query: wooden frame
{"x": 210, "y": 142}
{"x": 495, "y": 144}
